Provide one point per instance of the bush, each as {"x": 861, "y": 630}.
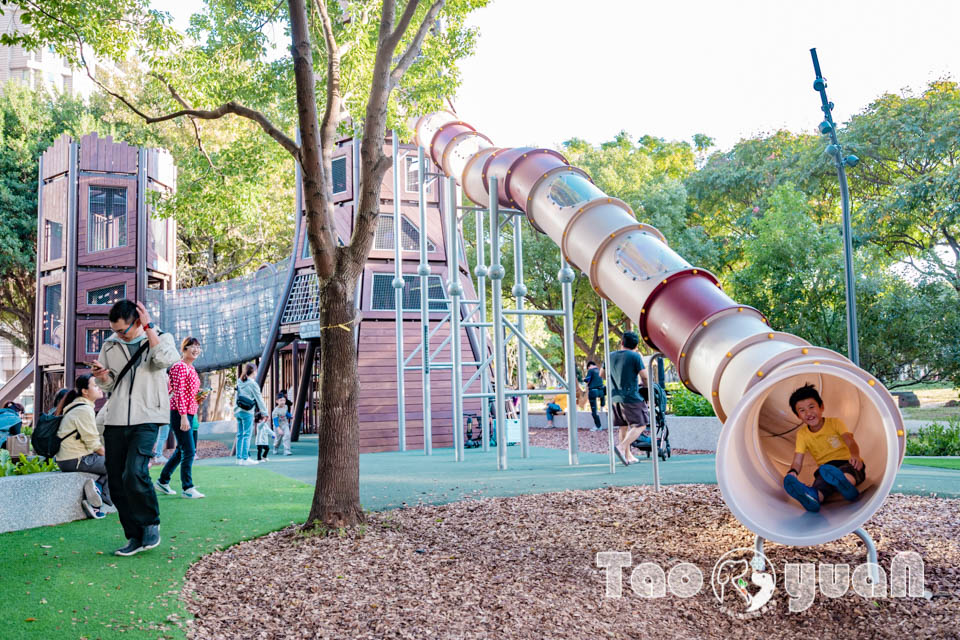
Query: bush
{"x": 24, "y": 466}
{"x": 936, "y": 439}
{"x": 684, "y": 402}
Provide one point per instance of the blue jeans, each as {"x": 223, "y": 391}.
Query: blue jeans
{"x": 593, "y": 395}
{"x": 161, "y": 440}
{"x": 553, "y": 409}
{"x": 183, "y": 455}
{"x": 244, "y": 429}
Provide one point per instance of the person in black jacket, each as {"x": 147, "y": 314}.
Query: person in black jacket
{"x": 595, "y": 391}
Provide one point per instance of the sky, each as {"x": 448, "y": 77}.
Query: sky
{"x": 545, "y": 71}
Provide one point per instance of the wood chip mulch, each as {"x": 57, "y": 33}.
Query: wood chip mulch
{"x": 587, "y": 441}
{"x": 525, "y": 568}
{"x": 205, "y": 449}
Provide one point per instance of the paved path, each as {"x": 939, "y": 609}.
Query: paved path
{"x": 392, "y": 479}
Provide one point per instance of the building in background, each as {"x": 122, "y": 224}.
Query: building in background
{"x": 42, "y": 68}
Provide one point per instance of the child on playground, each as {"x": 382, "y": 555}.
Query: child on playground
{"x": 264, "y": 436}
{"x": 832, "y": 447}
{"x": 281, "y": 422}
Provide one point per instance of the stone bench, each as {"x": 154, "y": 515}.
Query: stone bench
{"x": 41, "y": 499}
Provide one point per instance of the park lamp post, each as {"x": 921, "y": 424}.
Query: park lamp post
{"x": 829, "y": 128}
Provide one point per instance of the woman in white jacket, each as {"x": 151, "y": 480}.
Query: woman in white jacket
{"x": 81, "y": 447}
{"x": 247, "y": 387}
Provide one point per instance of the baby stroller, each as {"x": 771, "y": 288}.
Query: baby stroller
{"x": 659, "y": 406}
{"x": 473, "y": 440}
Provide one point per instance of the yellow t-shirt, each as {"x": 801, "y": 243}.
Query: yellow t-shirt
{"x": 826, "y": 444}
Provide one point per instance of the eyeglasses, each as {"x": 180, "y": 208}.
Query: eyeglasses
{"x": 124, "y": 332}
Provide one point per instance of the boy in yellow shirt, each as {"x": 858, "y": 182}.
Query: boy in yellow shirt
{"x": 833, "y": 448}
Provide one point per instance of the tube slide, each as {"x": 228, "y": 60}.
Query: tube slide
{"x": 722, "y": 350}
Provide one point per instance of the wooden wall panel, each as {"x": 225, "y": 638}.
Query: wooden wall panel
{"x": 103, "y": 154}
{"x": 121, "y": 256}
{"x": 49, "y": 354}
{"x": 57, "y": 158}
{"x": 161, "y": 169}
{"x": 378, "y": 389}
{"x": 54, "y": 203}
{"x": 87, "y": 280}
{"x": 82, "y": 357}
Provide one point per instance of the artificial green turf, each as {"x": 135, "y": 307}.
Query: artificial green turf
{"x": 942, "y": 463}
{"x": 65, "y": 582}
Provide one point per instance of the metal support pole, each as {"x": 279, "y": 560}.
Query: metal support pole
{"x": 566, "y": 277}
{"x": 455, "y": 291}
{"x": 69, "y": 290}
{"x": 871, "y": 554}
{"x": 303, "y": 389}
{"x": 423, "y": 270}
{"x": 398, "y": 298}
{"x": 519, "y": 291}
{"x": 606, "y": 368}
{"x": 481, "y": 271}
{"x": 496, "y": 276}
{"x": 653, "y": 380}
{"x": 294, "y": 371}
{"x": 757, "y": 562}
{"x": 836, "y": 151}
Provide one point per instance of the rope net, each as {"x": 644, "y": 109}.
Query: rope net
{"x": 230, "y": 318}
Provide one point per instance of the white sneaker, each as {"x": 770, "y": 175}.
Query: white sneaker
{"x": 92, "y": 494}
{"x": 165, "y": 488}
{"x": 251, "y": 461}
{"x": 192, "y": 493}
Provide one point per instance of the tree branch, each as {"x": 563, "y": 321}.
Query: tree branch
{"x": 193, "y": 121}
{"x": 393, "y": 39}
{"x": 331, "y": 114}
{"x": 219, "y": 112}
{"x": 317, "y": 186}
{"x": 414, "y": 49}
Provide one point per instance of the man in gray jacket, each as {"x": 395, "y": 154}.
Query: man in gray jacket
{"x": 139, "y": 403}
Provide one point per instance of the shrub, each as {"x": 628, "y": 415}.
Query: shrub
{"x": 936, "y": 439}
{"x": 24, "y": 466}
{"x": 684, "y": 402}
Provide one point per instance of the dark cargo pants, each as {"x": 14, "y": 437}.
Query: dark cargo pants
{"x": 129, "y": 450}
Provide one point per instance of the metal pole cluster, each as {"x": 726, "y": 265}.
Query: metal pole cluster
{"x": 423, "y": 270}
{"x": 472, "y": 315}
{"x": 398, "y": 284}
{"x": 455, "y": 292}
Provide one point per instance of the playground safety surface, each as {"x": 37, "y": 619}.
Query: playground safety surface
{"x": 395, "y": 479}
{"x": 524, "y": 567}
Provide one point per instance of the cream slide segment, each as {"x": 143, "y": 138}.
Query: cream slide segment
{"x": 752, "y": 461}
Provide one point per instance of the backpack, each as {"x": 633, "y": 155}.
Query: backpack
{"x": 45, "y": 440}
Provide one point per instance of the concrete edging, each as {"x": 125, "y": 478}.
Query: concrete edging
{"x": 41, "y": 499}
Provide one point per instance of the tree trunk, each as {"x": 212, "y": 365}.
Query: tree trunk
{"x": 336, "y": 498}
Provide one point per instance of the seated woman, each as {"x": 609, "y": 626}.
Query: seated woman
{"x": 82, "y": 448}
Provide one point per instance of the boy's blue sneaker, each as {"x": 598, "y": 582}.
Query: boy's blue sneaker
{"x": 800, "y": 492}
{"x": 836, "y": 478}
